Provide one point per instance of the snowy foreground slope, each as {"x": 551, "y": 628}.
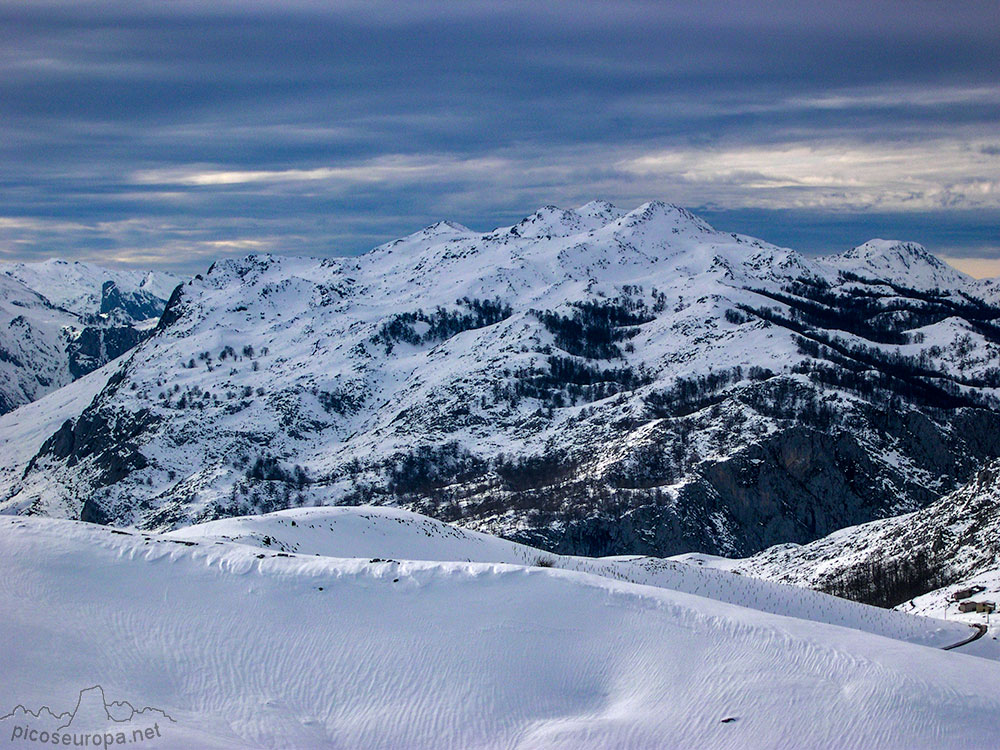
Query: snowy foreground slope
{"x": 391, "y": 533}
{"x": 590, "y": 381}
{"x": 226, "y": 645}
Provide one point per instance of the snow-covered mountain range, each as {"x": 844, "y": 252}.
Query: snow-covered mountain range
{"x": 60, "y": 320}
{"x": 588, "y": 381}
{"x": 87, "y": 289}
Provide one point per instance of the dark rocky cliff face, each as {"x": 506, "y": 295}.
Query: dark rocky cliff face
{"x": 96, "y": 346}
{"x": 891, "y": 561}
{"x": 107, "y": 440}
{"x": 796, "y": 484}
{"x": 138, "y": 305}
{"x": 173, "y": 308}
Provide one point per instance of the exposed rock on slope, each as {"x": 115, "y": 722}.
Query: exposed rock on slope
{"x": 60, "y": 321}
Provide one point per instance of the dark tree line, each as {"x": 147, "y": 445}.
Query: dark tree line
{"x": 593, "y": 330}
{"x": 442, "y": 324}
{"x": 342, "y": 401}
{"x": 870, "y": 370}
{"x": 861, "y": 316}
{"x": 569, "y": 381}
{"x": 888, "y": 583}
{"x": 688, "y": 395}
{"x": 880, "y": 316}
{"x": 526, "y": 472}
{"x": 787, "y": 399}
{"x": 428, "y": 467}
{"x": 268, "y": 468}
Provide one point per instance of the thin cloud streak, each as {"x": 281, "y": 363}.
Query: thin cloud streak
{"x": 386, "y": 169}
{"x": 977, "y": 268}
{"x": 902, "y": 177}
{"x": 847, "y": 176}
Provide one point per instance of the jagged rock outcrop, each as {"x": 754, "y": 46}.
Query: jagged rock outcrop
{"x": 94, "y": 347}
{"x": 137, "y": 304}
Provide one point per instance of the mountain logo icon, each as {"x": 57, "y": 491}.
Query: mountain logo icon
{"x": 94, "y": 721}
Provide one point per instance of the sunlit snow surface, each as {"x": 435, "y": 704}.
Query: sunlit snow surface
{"x": 247, "y": 645}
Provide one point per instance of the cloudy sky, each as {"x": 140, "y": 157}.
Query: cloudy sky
{"x": 166, "y": 134}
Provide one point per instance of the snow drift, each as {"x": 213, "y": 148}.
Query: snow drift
{"x": 247, "y": 647}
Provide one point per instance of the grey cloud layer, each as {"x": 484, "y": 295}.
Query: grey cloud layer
{"x": 170, "y": 133}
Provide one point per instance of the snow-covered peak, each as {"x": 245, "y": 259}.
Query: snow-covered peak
{"x": 602, "y": 211}
{"x": 906, "y": 263}
{"x": 78, "y": 286}
{"x": 18, "y": 294}
{"x": 443, "y": 229}
{"x": 661, "y": 215}
{"x": 596, "y": 244}
{"x": 552, "y": 221}
{"x": 159, "y": 284}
